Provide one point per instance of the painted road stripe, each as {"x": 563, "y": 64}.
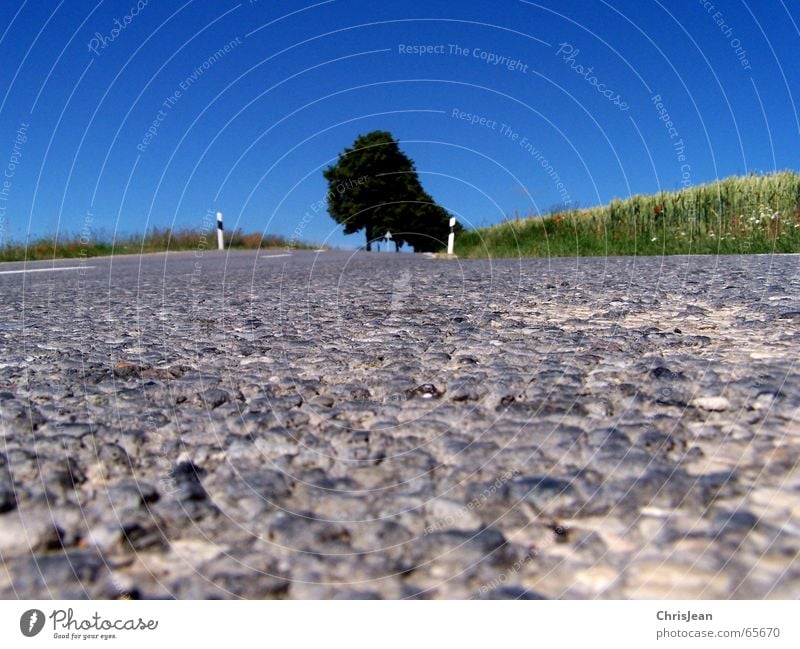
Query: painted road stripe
{"x": 42, "y": 270}
{"x": 284, "y": 254}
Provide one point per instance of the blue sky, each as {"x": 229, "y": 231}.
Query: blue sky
{"x": 128, "y": 114}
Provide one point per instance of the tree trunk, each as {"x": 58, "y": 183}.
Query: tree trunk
{"x": 369, "y": 237}
{"x": 397, "y": 245}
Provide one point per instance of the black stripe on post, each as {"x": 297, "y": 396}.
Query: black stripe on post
{"x": 220, "y": 238}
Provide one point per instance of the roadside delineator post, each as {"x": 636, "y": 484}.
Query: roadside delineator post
{"x": 451, "y": 238}
{"x": 388, "y": 238}
{"x": 220, "y": 239}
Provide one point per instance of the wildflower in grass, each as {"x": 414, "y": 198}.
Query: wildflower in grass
{"x": 654, "y": 239}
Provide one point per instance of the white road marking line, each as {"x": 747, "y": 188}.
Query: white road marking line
{"x": 42, "y": 270}
{"x": 285, "y": 254}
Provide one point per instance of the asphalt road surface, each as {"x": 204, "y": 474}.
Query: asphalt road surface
{"x": 340, "y": 424}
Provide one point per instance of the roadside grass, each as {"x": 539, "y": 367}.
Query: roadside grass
{"x": 156, "y": 240}
{"x": 739, "y": 215}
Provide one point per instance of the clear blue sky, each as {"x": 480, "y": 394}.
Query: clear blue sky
{"x": 253, "y": 126}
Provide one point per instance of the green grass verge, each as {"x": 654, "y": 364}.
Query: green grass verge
{"x": 740, "y": 215}
{"x": 156, "y": 240}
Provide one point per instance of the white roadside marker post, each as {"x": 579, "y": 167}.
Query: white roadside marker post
{"x": 220, "y": 239}
{"x": 451, "y": 238}
{"x": 388, "y": 237}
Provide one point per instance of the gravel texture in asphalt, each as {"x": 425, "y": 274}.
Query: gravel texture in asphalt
{"x": 340, "y": 425}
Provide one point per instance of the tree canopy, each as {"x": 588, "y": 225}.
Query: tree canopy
{"x": 374, "y": 187}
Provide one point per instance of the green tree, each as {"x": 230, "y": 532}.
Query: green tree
{"x": 374, "y": 187}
